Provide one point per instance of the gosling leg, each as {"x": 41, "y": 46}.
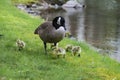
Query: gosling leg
{"x": 78, "y": 55}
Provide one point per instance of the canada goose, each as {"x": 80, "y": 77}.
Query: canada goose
{"x": 51, "y": 32}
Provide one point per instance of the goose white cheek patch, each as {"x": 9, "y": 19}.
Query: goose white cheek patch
{"x": 58, "y": 21}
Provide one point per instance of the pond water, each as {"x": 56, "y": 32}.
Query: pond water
{"x": 98, "y": 24}
{"x": 99, "y": 28}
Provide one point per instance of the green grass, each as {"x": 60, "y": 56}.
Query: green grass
{"x": 24, "y": 1}
{"x": 32, "y": 64}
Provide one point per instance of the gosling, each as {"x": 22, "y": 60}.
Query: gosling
{"x": 59, "y": 52}
{"x": 76, "y": 50}
{"x": 68, "y": 48}
{"x": 53, "y": 46}
{"x": 51, "y": 32}
{"x": 68, "y": 34}
{"x": 20, "y": 44}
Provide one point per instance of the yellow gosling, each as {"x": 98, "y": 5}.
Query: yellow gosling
{"x": 76, "y": 50}
{"x": 20, "y": 44}
{"x": 68, "y": 48}
{"x": 59, "y": 52}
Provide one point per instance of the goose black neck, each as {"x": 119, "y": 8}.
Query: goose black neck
{"x": 56, "y": 25}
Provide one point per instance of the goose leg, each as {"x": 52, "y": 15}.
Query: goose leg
{"x": 55, "y": 44}
{"x": 45, "y": 46}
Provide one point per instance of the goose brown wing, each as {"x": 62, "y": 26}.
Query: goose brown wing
{"x": 43, "y": 27}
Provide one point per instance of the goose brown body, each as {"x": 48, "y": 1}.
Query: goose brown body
{"x": 49, "y": 34}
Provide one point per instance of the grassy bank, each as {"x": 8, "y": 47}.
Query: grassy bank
{"x": 24, "y": 1}
{"x": 32, "y": 64}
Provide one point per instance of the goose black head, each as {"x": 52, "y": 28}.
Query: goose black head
{"x": 58, "y": 21}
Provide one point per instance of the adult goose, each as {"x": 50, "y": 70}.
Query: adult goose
{"x": 51, "y": 31}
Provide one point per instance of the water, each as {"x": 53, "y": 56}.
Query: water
{"x": 98, "y": 24}
{"x": 103, "y": 31}
{"x": 99, "y": 27}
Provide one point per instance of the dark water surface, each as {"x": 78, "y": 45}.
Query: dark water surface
{"x": 98, "y": 25}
